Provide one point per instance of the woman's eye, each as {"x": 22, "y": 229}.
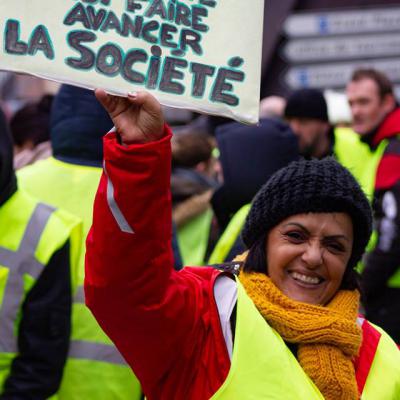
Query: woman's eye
{"x": 335, "y": 247}
{"x": 295, "y": 236}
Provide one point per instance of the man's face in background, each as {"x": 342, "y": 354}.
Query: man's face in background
{"x": 309, "y": 132}
{"x": 368, "y": 108}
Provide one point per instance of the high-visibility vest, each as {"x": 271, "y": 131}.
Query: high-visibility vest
{"x": 229, "y": 236}
{"x": 378, "y": 361}
{"x": 193, "y": 238}
{"x": 363, "y": 163}
{"x": 263, "y": 367}
{"x": 30, "y": 233}
{"x": 95, "y": 369}
{"x": 358, "y": 158}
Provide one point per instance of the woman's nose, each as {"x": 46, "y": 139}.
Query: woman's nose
{"x": 312, "y": 255}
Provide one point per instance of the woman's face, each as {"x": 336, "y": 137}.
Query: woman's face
{"x": 307, "y": 255}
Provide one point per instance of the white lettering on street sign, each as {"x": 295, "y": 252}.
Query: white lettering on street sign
{"x": 342, "y": 48}
{"x": 336, "y": 75}
{"x": 343, "y": 22}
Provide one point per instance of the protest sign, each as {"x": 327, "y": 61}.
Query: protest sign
{"x": 203, "y": 55}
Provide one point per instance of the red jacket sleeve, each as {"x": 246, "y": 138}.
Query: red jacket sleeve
{"x": 158, "y": 318}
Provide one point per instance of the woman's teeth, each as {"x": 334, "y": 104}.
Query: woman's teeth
{"x": 306, "y": 279}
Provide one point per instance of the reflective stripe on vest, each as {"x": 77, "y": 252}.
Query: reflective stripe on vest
{"x": 85, "y": 350}
{"x": 19, "y": 263}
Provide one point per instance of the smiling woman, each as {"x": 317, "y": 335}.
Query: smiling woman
{"x": 306, "y": 230}
{"x": 287, "y": 327}
{"x": 307, "y": 255}
{"x": 313, "y": 218}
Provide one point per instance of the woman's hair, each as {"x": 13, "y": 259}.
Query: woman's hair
{"x": 256, "y": 261}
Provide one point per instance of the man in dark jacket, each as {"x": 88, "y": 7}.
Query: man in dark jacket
{"x": 376, "y": 118}
{"x": 36, "y": 255}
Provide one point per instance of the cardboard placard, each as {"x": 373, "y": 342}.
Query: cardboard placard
{"x": 203, "y": 55}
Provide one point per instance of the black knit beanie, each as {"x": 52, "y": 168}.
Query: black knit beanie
{"x": 310, "y": 186}
{"x": 307, "y": 103}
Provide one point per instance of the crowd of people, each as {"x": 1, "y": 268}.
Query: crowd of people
{"x": 211, "y": 260}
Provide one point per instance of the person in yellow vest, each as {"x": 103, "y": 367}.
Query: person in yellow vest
{"x": 306, "y": 112}
{"x": 38, "y": 255}
{"x": 94, "y": 369}
{"x": 287, "y": 327}
{"x": 376, "y": 119}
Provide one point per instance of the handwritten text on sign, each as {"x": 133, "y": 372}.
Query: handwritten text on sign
{"x": 197, "y": 54}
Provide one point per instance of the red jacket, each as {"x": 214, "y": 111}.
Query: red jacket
{"x": 388, "y": 173}
{"x": 165, "y": 323}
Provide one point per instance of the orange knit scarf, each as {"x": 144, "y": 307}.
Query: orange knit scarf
{"x": 327, "y": 337}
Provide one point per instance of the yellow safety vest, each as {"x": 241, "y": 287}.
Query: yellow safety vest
{"x": 95, "y": 369}
{"x": 358, "y": 158}
{"x": 383, "y": 381}
{"x": 228, "y": 238}
{"x": 30, "y": 233}
{"x": 263, "y": 367}
{"x": 193, "y": 238}
{"x": 363, "y": 163}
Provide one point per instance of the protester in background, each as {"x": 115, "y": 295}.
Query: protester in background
{"x": 192, "y": 185}
{"x": 307, "y": 114}
{"x": 38, "y": 257}
{"x": 95, "y": 369}
{"x": 249, "y": 155}
{"x": 376, "y": 118}
{"x": 30, "y": 131}
{"x": 287, "y": 328}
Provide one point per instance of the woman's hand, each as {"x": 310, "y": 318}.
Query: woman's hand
{"x": 138, "y": 118}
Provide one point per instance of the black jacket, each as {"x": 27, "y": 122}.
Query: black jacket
{"x": 8, "y": 181}
{"x": 78, "y": 123}
{"x": 44, "y": 328}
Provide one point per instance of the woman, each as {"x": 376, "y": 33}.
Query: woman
{"x": 286, "y": 329}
